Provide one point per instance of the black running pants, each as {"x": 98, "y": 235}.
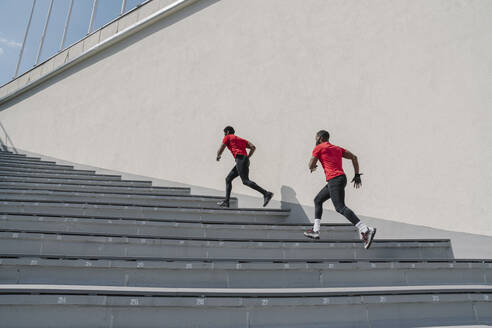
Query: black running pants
{"x": 241, "y": 169}
{"x": 334, "y": 189}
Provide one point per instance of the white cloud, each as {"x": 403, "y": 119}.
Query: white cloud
{"x": 1, "y": 51}
{"x": 9, "y": 43}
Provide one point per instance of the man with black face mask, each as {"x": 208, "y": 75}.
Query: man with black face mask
{"x": 238, "y": 146}
{"x": 330, "y": 157}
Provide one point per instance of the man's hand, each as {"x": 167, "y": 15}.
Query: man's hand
{"x": 313, "y": 164}
{"x": 357, "y": 181}
{"x": 219, "y": 152}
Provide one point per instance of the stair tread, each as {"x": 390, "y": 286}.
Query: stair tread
{"x": 242, "y": 292}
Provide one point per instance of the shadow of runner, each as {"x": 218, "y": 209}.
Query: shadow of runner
{"x": 290, "y": 201}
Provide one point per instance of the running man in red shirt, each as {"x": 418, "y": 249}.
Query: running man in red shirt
{"x": 238, "y": 146}
{"x": 330, "y": 157}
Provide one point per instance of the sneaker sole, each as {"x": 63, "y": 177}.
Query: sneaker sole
{"x": 311, "y": 237}
{"x": 370, "y": 240}
{"x": 223, "y": 206}
{"x": 268, "y": 201}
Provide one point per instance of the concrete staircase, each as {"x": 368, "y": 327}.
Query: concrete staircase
{"x": 81, "y": 249}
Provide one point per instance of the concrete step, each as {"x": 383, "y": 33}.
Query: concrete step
{"x": 109, "y": 306}
{"x": 69, "y": 181}
{"x": 26, "y": 161}
{"x": 61, "y": 176}
{"x": 32, "y": 269}
{"x": 141, "y": 211}
{"x": 34, "y": 165}
{"x": 295, "y": 224}
{"x": 90, "y": 245}
{"x": 5, "y": 153}
{"x": 116, "y": 199}
{"x": 146, "y": 229}
{"x": 96, "y": 189}
{"x": 6, "y": 168}
{"x": 21, "y": 157}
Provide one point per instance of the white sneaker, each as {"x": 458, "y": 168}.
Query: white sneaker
{"x": 311, "y": 234}
{"x": 368, "y": 236}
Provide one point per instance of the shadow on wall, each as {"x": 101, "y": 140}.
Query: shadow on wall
{"x": 290, "y": 201}
{"x": 5, "y": 140}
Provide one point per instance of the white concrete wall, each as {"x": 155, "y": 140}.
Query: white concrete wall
{"x": 405, "y": 85}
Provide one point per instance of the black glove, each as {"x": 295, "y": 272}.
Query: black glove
{"x": 357, "y": 179}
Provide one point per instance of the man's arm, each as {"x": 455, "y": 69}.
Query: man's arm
{"x": 220, "y": 151}
{"x": 313, "y": 164}
{"x": 251, "y": 147}
{"x": 349, "y": 155}
{"x": 356, "y": 180}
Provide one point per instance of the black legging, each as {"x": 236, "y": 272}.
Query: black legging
{"x": 334, "y": 189}
{"x": 241, "y": 169}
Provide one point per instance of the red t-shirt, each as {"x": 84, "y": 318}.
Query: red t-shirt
{"x": 236, "y": 145}
{"x": 330, "y": 157}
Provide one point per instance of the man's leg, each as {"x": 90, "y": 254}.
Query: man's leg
{"x": 242, "y": 165}
{"x": 320, "y": 198}
{"x": 231, "y": 176}
{"x": 337, "y": 191}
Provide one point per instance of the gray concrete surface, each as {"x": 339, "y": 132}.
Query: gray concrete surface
{"x": 95, "y": 188}
{"x": 62, "y": 176}
{"x": 16, "y": 242}
{"x": 141, "y": 211}
{"x": 11, "y": 168}
{"x": 79, "y": 252}
{"x": 172, "y": 228}
{"x": 31, "y": 269}
{"x": 465, "y": 245}
{"x": 383, "y": 310}
{"x": 66, "y": 180}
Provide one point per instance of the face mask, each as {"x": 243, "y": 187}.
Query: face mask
{"x": 318, "y": 141}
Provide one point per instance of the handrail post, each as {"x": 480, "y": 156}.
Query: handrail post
{"x": 123, "y": 5}
{"x": 93, "y": 15}
{"x": 25, "y": 38}
{"x": 67, "y": 21}
{"x": 44, "y": 33}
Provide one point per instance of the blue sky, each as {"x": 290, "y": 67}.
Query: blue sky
{"x": 14, "y": 15}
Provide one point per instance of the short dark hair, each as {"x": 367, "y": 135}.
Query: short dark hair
{"x": 229, "y": 130}
{"x": 323, "y": 135}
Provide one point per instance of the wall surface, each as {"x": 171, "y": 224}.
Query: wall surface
{"x": 405, "y": 85}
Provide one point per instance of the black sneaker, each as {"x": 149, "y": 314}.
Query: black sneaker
{"x": 224, "y": 203}
{"x": 267, "y": 198}
{"x": 368, "y": 236}
{"x": 312, "y": 234}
